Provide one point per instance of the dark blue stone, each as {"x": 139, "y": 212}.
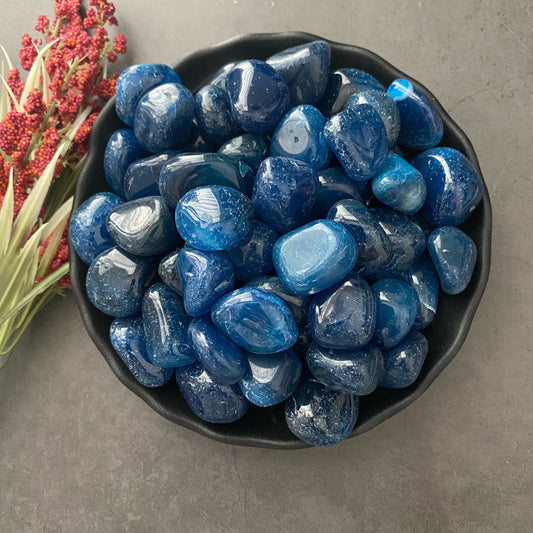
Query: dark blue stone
{"x": 454, "y": 255}
{"x": 258, "y": 94}
{"x": 205, "y": 277}
{"x": 222, "y": 358}
{"x": 214, "y": 218}
{"x": 353, "y": 372}
{"x": 344, "y": 316}
{"x": 252, "y": 257}
{"x": 248, "y": 148}
{"x": 128, "y": 340}
{"x": 134, "y": 82}
{"x": 122, "y": 149}
{"x": 165, "y": 327}
{"x": 210, "y": 401}
{"x": 271, "y": 379}
{"x": 319, "y": 415}
{"x": 396, "y": 311}
{"x": 197, "y": 143}
{"x": 420, "y": 123}
{"x": 300, "y": 135}
{"x": 168, "y": 272}
{"x": 315, "y": 256}
{"x": 404, "y": 362}
{"x": 359, "y": 140}
{"x": 163, "y": 118}
{"x": 188, "y": 171}
{"x": 305, "y": 70}
{"x": 454, "y": 187}
{"x": 221, "y": 75}
{"x": 213, "y": 111}
{"x": 256, "y": 320}
{"x": 116, "y": 282}
{"x": 88, "y": 232}
{"x": 284, "y": 192}
{"x": 143, "y": 227}
{"x": 374, "y": 247}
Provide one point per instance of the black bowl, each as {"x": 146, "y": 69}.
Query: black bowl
{"x": 265, "y": 427}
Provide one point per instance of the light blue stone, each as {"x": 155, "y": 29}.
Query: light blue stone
{"x": 168, "y": 272}
{"x": 315, "y": 256}
{"x": 247, "y": 148}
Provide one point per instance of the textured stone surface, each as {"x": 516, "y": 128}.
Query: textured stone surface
{"x": 248, "y": 148}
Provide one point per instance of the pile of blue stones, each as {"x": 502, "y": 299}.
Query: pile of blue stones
{"x": 267, "y": 241}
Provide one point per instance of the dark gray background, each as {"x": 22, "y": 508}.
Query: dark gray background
{"x": 78, "y": 452}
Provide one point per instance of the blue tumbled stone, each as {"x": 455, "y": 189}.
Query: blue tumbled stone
{"x": 116, "y": 282}
{"x": 396, "y": 310}
{"x": 359, "y": 140}
{"x": 259, "y": 95}
{"x": 353, "y": 372}
{"x": 165, "y": 326}
{"x": 220, "y": 77}
{"x": 121, "y": 150}
{"x": 454, "y": 188}
{"x": 222, "y": 358}
{"x": 143, "y": 227}
{"x": 319, "y": 415}
{"x": 402, "y": 364}
{"x": 344, "y": 316}
{"x": 205, "y": 277}
{"x": 128, "y": 339}
{"x": 88, "y": 232}
{"x": 196, "y": 141}
{"x": 256, "y": 320}
{"x": 134, "y": 82}
{"x": 284, "y": 192}
{"x": 210, "y": 401}
{"x": 315, "y": 256}
{"x": 454, "y": 255}
{"x": 213, "y": 218}
{"x": 420, "y": 123}
{"x": 168, "y": 272}
{"x": 248, "y": 148}
{"x": 300, "y": 135}
{"x": 163, "y": 117}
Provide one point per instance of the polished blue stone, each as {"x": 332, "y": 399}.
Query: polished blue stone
{"x": 165, "y": 326}
{"x": 128, "y": 339}
{"x": 134, "y": 82}
{"x": 259, "y": 95}
{"x": 420, "y": 123}
{"x": 454, "y": 187}
{"x": 359, "y": 140}
{"x": 121, "y": 150}
{"x": 271, "y": 378}
{"x": 319, "y": 415}
{"x": 396, "y": 310}
{"x": 422, "y": 276}
{"x": 385, "y": 107}
{"x": 373, "y": 244}
{"x": 221, "y": 75}
{"x": 424, "y": 225}
{"x": 404, "y": 362}
{"x": 315, "y": 256}
{"x": 222, "y": 358}
{"x": 142, "y": 176}
{"x": 143, "y": 227}
{"x": 399, "y": 185}
{"x": 205, "y": 277}
{"x": 343, "y": 317}
{"x": 116, "y": 282}
{"x": 213, "y": 112}
{"x": 252, "y": 257}
{"x": 256, "y": 320}
{"x": 284, "y": 192}
{"x": 210, "y": 401}
{"x": 168, "y": 272}
{"x": 353, "y": 372}
{"x": 188, "y": 171}
{"x": 196, "y": 141}
{"x": 163, "y": 117}
{"x": 305, "y": 70}
{"x": 213, "y": 218}
{"x": 248, "y": 148}
{"x": 454, "y": 255}
{"x": 300, "y": 135}
{"x": 88, "y": 232}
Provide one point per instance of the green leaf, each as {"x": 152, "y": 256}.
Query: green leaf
{"x": 6, "y": 216}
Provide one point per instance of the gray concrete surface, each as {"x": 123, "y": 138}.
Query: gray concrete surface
{"x": 79, "y": 453}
